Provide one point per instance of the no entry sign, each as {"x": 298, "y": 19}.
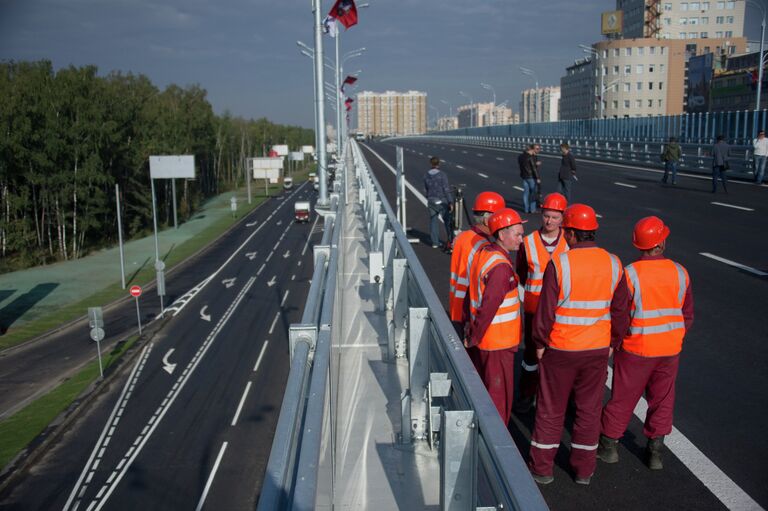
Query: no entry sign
{"x": 136, "y": 291}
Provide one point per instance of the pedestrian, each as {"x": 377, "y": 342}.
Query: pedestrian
{"x": 439, "y": 203}
{"x": 495, "y": 321}
{"x": 465, "y": 247}
{"x": 582, "y": 314}
{"x": 671, "y": 158}
{"x": 567, "y": 173}
{"x": 529, "y": 172}
{"x": 537, "y": 250}
{"x": 760, "y": 145}
{"x": 720, "y": 153}
{"x": 647, "y": 360}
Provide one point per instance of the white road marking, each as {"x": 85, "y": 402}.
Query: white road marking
{"x": 272, "y": 281}
{"x": 274, "y": 322}
{"x": 293, "y": 277}
{"x": 167, "y": 366}
{"x": 716, "y": 481}
{"x": 252, "y": 223}
{"x": 306, "y": 243}
{"x": 624, "y": 185}
{"x": 270, "y": 256}
{"x": 287, "y": 254}
{"x": 734, "y": 264}
{"x": 459, "y": 167}
{"x": 261, "y": 355}
{"x": 210, "y": 477}
{"x": 285, "y": 297}
{"x": 482, "y": 175}
{"x": 263, "y": 265}
{"x": 229, "y": 282}
{"x": 251, "y": 255}
{"x": 203, "y": 315}
{"x": 500, "y": 158}
{"x": 480, "y": 155}
{"x": 518, "y": 188}
{"x": 731, "y": 206}
{"x": 240, "y": 406}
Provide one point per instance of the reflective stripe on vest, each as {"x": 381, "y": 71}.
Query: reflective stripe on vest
{"x": 538, "y": 257}
{"x": 658, "y": 289}
{"x": 587, "y": 278}
{"x": 465, "y": 247}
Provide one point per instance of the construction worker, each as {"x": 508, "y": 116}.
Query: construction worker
{"x": 495, "y": 321}
{"x": 583, "y": 311}
{"x": 647, "y": 360}
{"x": 465, "y": 246}
{"x": 537, "y": 250}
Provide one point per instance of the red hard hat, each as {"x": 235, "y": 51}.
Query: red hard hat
{"x": 581, "y": 217}
{"x": 555, "y": 201}
{"x": 503, "y": 218}
{"x": 649, "y": 232}
{"x": 488, "y": 201}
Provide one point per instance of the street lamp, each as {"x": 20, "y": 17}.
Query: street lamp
{"x": 493, "y": 108}
{"x": 437, "y": 114}
{"x": 596, "y": 54}
{"x": 471, "y": 108}
{"x": 762, "y": 46}
{"x": 532, "y": 73}
{"x": 450, "y": 107}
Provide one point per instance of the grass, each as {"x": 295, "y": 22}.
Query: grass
{"x": 70, "y": 312}
{"x": 18, "y": 430}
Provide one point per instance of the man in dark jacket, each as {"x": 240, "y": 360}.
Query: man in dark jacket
{"x": 567, "y": 172}
{"x": 671, "y": 157}
{"x": 720, "y": 153}
{"x": 439, "y": 203}
{"x": 529, "y": 172}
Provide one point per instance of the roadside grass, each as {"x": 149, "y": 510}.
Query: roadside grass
{"x": 146, "y": 275}
{"x": 18, "y": 430}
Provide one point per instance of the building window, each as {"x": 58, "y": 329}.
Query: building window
{"x": 693, "y": 35}
{"x": 627, "y": 52}
{"x": 641, "y": 51}
{"x": 626, "y": 103}
{"x": 667, "y": 7}
{"x": 638, "y": 103}
{"x": 683, "y": 6}
{"x": 661, "y": 85}
{"x": 719, "y": 34}
{"x": 705, "y": 20}
{"x": 728, "y": 33}
{"x": 605, "y": 54}
{"x": 704, "y": 6}
{"x": 605, "y": 70}
{"x": 660, "y": 103}
{"x": 615, "y": 104}
{"x": 639, "y": 86}
{"x": 719, "y": 20}
{"x": 729, "y": 19}
{"x": 628, "y": 69}
{"x": 663, "y": 50}
{"x": 667, "y": 21}
{"x": 682, "y": 21}
{"x": 683, "y": 35}
{"x": 731, "y": 50}
{"x": 706, "y": 50}
{"x": 720, "y": 5}
{"x": 615, "y": 52}
{"x": 730, "y": 5}
{"x": 693, "y": 6}
{"x": 650, "y": 103}
{"x": 693, "y": 21}
{"x": 650, "y": 85}
{"x": 704, "y": 35}
{"x": 639, "y": 69}
{"x": 627, "y": 87}
{"x": 650, "y": 68}
{"x": 615, "y": 70}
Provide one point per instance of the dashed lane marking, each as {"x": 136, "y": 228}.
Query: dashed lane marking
{"x": 482, "y": 175}
{"x": 617, "y": 183}
{"x": 740, "y": 266}
{"x": 210, "y": 477}
{"x": 518, "y": 188}
{"x": 240, "y": 405}
{"x": 500, "y": 158}
{"x": 731, "y": 206}
{"x": 261, "y": 355}
{"x": 459, "y": 167}
{"x": 285, "y": 297}
{"x": 274, "y": 322}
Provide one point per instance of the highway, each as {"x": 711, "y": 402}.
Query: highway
{"x": 720, "y": 447}
{"x": 189, "y": 423}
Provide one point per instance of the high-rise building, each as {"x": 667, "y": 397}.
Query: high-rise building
{"x": 577, "y": 91}
{"x": 540, "y": 105}
{"x": 484, "y": 114}
{"x": 677, "y": 19}
{"x": 447, "y": 123}
{"x": 391, "y": 113}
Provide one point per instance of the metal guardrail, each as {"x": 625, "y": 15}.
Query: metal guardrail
{"x": 446, "y": 399}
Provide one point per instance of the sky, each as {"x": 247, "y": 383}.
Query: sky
{"x": 244, "y": 52}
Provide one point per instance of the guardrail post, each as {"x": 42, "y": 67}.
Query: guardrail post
{"x": 389, "y": 252}
{"x": 400, "y": 312}
{"x": 302, "y": 332}
{"x": 458, "y": 461}
{"x": 382, "y": 221}
{"x": 418, "y": 360}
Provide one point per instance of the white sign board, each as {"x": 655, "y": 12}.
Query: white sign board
{"x": 296, "y": 156}
{"x": 307, "y": 149}
{"x": 266, "y": 168}
{"x": 170, "y": 167}
{"x": 281, "y": 150}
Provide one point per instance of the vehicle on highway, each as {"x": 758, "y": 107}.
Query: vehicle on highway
{"x": 287, "y": 183}
{"x": 359, "y": 136}
{"x": 301, "y": 211}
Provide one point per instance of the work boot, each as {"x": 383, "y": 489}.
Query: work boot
{"x": 583, "y": 480}
{"x": 542, "y": 479}
{"x": 607, "y": 449}
{"x": 653, "y": 453}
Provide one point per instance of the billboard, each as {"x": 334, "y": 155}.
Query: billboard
{"x": 296, "y": 156}
{"x": 266, "y": 168}
{"x": 281, "y": 150}
{"x": 699, "y": 79}
{"x": 612, "y": 22}
{"x": 307, "y": 149}
{"x": 170, "y": 167}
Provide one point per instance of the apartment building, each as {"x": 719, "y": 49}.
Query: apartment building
{"x": 391, "y": 113}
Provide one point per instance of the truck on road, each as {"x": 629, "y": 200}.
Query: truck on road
{"x": 301, "y": 211}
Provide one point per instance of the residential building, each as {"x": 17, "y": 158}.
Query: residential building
{"x": 391, "y": 113}
{"x": 540, "y": 105}
{"x": 577, "y": 95}
{"x": 447, "y": 123}
{"x": 677, "y": 19}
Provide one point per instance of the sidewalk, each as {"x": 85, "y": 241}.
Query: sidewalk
{"x": 34, "y": 293}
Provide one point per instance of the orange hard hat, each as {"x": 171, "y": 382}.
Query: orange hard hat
{"x": 555, "y": 201}
{"x": 503, "y": 218}
{"x": 488, "y": 201}
{"x": 649, "y": 232}
{"x": 581, "y": 217}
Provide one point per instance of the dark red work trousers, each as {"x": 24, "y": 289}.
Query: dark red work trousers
{"x": 497, "y": 370}
{"x": 633, "y": 375}
{"x": 529, "y": 376}
{"x": 560, "y": 373}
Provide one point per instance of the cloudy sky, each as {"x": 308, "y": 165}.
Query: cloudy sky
{"x": 244, "y": 51}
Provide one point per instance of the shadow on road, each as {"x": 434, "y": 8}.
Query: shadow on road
{"x": 21, "y": 305}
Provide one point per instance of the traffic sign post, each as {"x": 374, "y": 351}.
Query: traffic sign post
{"x": 136, "y": 293}
{"x": 96, "y": 322}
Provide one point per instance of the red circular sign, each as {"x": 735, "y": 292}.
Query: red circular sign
{"x": 136, "y": 291}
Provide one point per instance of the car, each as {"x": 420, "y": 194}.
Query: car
{"x": 287, "y": 183}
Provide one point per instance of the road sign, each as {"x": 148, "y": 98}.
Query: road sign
{"x": 136, "y": 291}
{"x": 97, "y": 334}
{"x": 95, "y": 317}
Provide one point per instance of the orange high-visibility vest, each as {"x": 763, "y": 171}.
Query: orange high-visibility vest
{"x": 587, "y": 278}
{"x": 657, "y": 287}
{"x": 465, "y": 247}
{"x": 538, "y": 257}
{"x": 504, "y": 330}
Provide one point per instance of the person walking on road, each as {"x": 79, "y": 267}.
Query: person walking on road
{"x": 537, "y": 250}
{"x": 495, "y": 319}
{"x": 465, "y": 248}
{"x": 760, "y": 145}
{"x": 529, "y": 172}
{"x": 671, "y": 158}
{"x": 582, "y": 315}
{"x": 439, "y": 203}
{"x": 567, "y": 173}
{"x": 647, "y": 360}
{"x": 720, "y": 153}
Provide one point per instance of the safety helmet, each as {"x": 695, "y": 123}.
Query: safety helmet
{"x": 649, "y": 232}
{"x": 555, "y": 201}
{"x": 504, "y": 217}
{"x": 581, "y": 217}
{"x": 488, "y": 201}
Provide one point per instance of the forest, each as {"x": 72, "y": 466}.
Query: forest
{"x": 69, "y": 135}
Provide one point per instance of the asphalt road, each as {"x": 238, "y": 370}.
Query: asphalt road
{"x": 189, "y": 425}
{"x": 721, "y": 402}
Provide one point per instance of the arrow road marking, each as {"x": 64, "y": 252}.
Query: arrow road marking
{"x": 251, "y": 255}
{"x": 229, "y": 282}
{"x": 287, "y": 254}
{"x": 167, "y": 366}
{"x": 252, "y": 223}
{"x": 272, "y": 281}
{"x": 279, "y": 222}
{"x": 203, "y": 315}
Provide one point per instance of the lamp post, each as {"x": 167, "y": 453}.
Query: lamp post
{"x": 532, "y": 73}
{"x": 450, "y": 107}
{"x": 471, "y": 108}
{"x": 762, "y": 49}
{"x": 437, "y": 114}
{"x": 596, "y": 54}
{"x": 322, "y": 160}
{"x": 493, "y": 108}
{"x": 340, "y": 70}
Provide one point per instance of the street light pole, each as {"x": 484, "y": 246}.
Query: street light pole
{"x": 532, "y": 73}
{"x": 493, "y": 109}
{"x": 322, "y": 160}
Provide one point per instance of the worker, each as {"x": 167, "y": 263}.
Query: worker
{"x": 494, "y": 310}
{"x": 661, "y": 313}
{"x": 439, "y": 203}
{"x": 465, "y": 246}
{"x": 537, "y": 250}
{"x": 583, "y": 312}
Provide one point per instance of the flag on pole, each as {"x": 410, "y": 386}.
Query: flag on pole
{"x": 345, "y": 12}
{"x": 348, "y": 80}
{"x": 330, "y": 27}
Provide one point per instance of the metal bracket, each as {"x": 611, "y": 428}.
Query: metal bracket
{"x": 439, "y": 386}
{"x": 302, "y": 332}
{"x": 321, "y": 249}
{"x": 458, "y": 461}
{"x": 400, "y": 314}
{"x": 418, "y": 365}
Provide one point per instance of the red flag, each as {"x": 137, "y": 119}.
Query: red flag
{"x": 350, "y": 80}
{"x": 345, "y": 12}
{"x": 348, "y": 103}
